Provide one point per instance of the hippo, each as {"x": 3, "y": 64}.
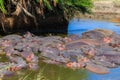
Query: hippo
{"x": 4, "y": 69}
{"x": 114, "y": 41}
{"x": 6, "y": 73}
{"x": 27, "y": 55}
{"x": 9, "y": 51}
{"x": 74, "y": 37}
{"x": 92, "y": 35}
{"x": 98, "y": 34}
{"x": 51, "y": 43}
{"x": 110, "y": 56}
{"x": 51, "y": 56}
{"x": 52, "y": 39}
{"x": 86, "y": 42}
{"x": 34, "y": 46}
{"x": 82, "y": 47}
{"x": 97, "y": 50}
{"x": 104, "y": 47}
{"x": 19, "y": 62}
{"x": 76, "y": 45}
{"x": 33, "y": 66}
{"x": 113, "y": 59}
{"x": 101, "y": 61}
{"x": 96, "y": 68}
{"x": 19, "y": 47}
{"x": 89, "y": 51}
{"x": 50, "y": 50}
{"x": 75, "y": 65}
{"x": 6, "y": 43}
{"x": 71, "y": 53}
{"x": 112, "y": 53}
{"x": 51, "y": 62}
{"x": 28, "y": 35}
{"x": 12, "y": 37}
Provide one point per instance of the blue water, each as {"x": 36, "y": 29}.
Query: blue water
{"x": 113, "y": 75}
{"x": 77, "y": 26}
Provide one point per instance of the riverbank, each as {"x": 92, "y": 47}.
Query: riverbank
{"x": 56, "y": 23}
{"x": 51, "y": 24}
{"x": 103, "y": 10}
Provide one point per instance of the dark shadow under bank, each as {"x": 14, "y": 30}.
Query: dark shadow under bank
{"x": 55, "y": 24}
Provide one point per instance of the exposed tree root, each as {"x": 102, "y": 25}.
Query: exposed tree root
{"x": 25, "y": 11}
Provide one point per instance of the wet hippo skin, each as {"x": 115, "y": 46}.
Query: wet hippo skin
{"x": 96, "y": 50}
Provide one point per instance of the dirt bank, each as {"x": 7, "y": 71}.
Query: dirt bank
{"x": 50, "y": 24}
{"x": 104, "y": 9}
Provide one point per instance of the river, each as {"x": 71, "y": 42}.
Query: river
{"x": 78, "y": 26}
{"x": 55, "y": 72}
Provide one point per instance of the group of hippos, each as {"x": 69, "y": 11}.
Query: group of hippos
{"x": 95, "y": 50}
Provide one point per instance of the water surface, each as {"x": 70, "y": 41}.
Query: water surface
{"x": 78, "y": 26}
{"x": 54, "y": 72}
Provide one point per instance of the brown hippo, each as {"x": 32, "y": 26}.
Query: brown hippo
{"x": 101, "y": 61}
{"x": 74, "y": 37}
{"x": 98, "y": 34}
{"x": 84, "y": 42}
{"x": 4, "y": 69}
{"x": 86, "y": 46}
{"x": 96, "y": 68}
{"x": 114, "y": 41}
{"x": 88, "y": 65}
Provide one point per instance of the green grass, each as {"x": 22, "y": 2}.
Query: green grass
{"x": 38, "y": 76}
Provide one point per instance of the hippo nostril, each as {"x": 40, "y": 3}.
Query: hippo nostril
{"x": 18, "y": 50}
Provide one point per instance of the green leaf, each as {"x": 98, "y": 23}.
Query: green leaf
{"x": 47, "y": 4}
{"x": 2, "y": 7}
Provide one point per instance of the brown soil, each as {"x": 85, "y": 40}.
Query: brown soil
{"x": 52, "y": 24}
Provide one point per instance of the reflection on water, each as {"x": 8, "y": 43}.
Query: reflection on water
{"x": 53, "y": 72}
{"x": 77, "y": 26}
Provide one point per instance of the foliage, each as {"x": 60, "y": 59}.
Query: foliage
{"x": 39, "y": 9}
{"x": 68, "y": 7}
{"x": 83, "y": 5}
{"x": 2, "y": 7}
